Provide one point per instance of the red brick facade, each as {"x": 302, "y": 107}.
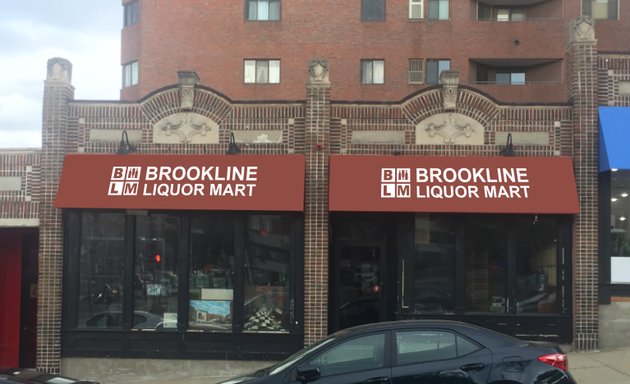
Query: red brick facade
{"x": 317, "y": 117}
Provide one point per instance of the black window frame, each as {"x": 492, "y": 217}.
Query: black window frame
{"x": 373, "y": 10}
{"x": 179, "y": 342}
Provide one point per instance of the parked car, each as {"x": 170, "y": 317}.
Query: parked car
{"x": 31, "y": 376}
{"x": 419, "y": 352}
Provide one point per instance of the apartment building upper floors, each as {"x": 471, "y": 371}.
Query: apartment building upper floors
{"x": 377, "y": 50}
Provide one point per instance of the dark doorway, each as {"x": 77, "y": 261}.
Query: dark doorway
{"x": 360, "y": 287}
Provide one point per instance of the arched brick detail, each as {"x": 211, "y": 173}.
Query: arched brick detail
{"x": 167, "y": 102}
{"x": 469, "y": 103}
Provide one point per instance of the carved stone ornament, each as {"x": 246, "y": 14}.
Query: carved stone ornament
{"x": 59, "y": 69}
{"x": 582, "y": 30}
{"x": 186, "y": 128}
{"x": 187, "y": 82}
{"x": 450, "y": 88}
{"x": 318, "y": 72}
{"x": 450, "y": 128}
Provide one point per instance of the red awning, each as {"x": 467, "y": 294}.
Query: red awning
{"x": 536, "y": 185}
{"x": 199, "y": 182}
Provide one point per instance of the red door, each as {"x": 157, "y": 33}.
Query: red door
{"x": 10, "y": 297}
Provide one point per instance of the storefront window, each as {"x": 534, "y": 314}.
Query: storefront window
{"x": 155, "y": 278}
{"x": 620, "y": 228}
{"x": 536, "y": 260}
{"x": 267, "y": 260}
{"x": 101, "y": 270}
{"x": 434, "y": 264}
{"x": 486, "y": 265}
{"x": 211, "y": 273}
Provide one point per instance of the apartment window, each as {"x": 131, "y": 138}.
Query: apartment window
{"x": 130, "y": 74}
{"x": 438, "y": 9}
{"x": 507, "y": 14}
{"x": 262, "y": 10}
{"x": 372, "y": 10}
{"x": 510, "y": 78}
{"x": 435, "y": 68}
{"x": 416, "y": 71}
{"x": 372, "y": 71}
{"x": 262, "y": 71}
{"x": 601, "y": 9}
{"x": 416, "y": 10}
{"x": 131, "y": 13}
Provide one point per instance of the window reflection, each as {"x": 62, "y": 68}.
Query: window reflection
{"x": 434, "y": 277}
{"x": 620, "y": 227}
{"x": 486, "y": 265}
{"x": 536, "y": 250}
{"x": 267, "y": 274}
{"x": 101, "y": 270}
{"x": 211, "y": 271}
{"x": 155, "y": 278}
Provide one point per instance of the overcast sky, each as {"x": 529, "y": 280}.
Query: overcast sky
{"x": 85, "y": 32}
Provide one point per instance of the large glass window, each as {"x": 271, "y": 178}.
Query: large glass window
{"x": 435, "y": 68}
{"x": 486, "y": 265}
{"x": 131, "y": 13}
{"x": 130, "y": 74}
{"x": 536, "y": 265}
{"x": 101, "y": 267}
{"x": 156, "y": 262}
{"x": 262, "y": 10}
{"x": 267, "y": 260}
{"x": 620, "y": 228}
{"x": 434, "y": 264}
{"x": 438, "y": 9}
{"x": 262, "y": 71}
{"x": 211, "y": 273}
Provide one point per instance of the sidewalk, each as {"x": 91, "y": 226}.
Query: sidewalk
{"x": 610, "y": 366}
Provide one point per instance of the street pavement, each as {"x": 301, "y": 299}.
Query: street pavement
{"x": 608, "y": 366}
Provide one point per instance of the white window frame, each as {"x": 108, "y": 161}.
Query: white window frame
{"x": 130, "y": 74}
{"x": 376, "y": 68}
{"x": 263, "y": 10}
{"x": 254, "y": 71}
{"x": 414, "y": 7}
{"x": 416, "y": 67}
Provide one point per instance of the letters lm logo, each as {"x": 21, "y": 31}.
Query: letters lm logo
{"x": 395, "y": 183}
{"x": 124, "y": 181}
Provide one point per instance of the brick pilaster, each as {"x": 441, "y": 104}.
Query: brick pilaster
{"x": 317, "y": 150}
{"x": 58, "y": 91}
{"x": 582, "y": 83}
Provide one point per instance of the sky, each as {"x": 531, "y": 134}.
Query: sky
{"x": 85, "y": 32}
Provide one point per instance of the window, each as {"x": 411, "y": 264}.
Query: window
{"x": 510, "y": 78}
{"x": 262, "y": 71}
{"x": 508, "y": 14}
{"x": 262, "y": 10}
{"x": 435, "y": 68}
{"x": 372, "y": 10}
{"x": 416, "y": 10}
{"x": 601, "y": 9}
{"x": 416, "y": 71}
{"x": 438, "y": 9}
{"x": 421, "y": 346}
{"x": 130, "y": 74}
{"x": 361, "y": 353}
{"x": 372, "y": 71}
{"x": 619, "y": 235}
{"x": 131, "y": 13}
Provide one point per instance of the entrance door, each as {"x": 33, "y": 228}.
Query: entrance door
{"x": 359, "y": 284}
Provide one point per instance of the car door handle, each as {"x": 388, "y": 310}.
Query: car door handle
{"x": 472, "y": 367}
{"x": 377, "y": 380}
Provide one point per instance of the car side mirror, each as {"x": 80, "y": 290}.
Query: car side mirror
{"x": 306, "y": 373}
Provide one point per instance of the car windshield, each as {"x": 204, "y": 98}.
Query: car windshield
{"x": 298, "y": 355}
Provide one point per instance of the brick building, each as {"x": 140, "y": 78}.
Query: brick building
{"x": 278, "y": 170}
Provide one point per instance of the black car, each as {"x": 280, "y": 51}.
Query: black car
{"x": 419, "y": 352}
{"x": 31, "y": 376}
